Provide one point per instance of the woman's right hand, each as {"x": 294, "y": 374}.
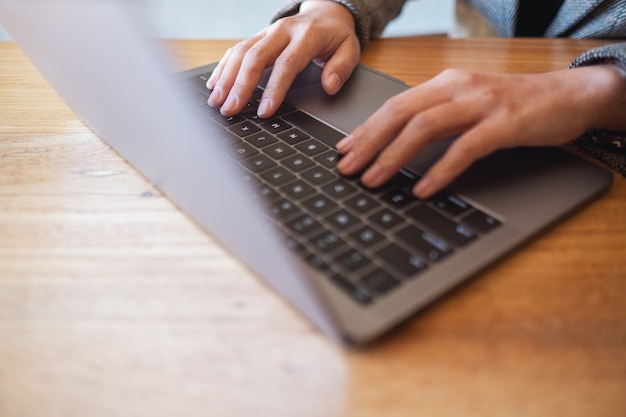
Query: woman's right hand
{"x": 323, "y": 31}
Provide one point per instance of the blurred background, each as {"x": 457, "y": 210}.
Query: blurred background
{"x": 234, "y": 19}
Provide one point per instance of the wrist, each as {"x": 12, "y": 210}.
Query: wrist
{"x": 605, "y": 86}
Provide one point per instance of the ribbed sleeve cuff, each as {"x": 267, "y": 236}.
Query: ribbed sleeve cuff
{"x": 608, "y": 54}
{"x": 597, "y": 142}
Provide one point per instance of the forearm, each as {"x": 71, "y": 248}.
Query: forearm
{"x": 370, "y": 16}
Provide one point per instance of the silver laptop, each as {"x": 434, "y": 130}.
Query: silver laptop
{"x": 356, "y": 262}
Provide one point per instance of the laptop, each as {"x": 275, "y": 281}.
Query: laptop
{"x": 355, "y": 262}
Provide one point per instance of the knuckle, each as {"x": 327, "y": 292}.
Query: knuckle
{"x": 256, "y": 52}
{"x": 472, "y": 148}
{"x": 394, "y": 104}
{"x": 388, "y": 160}
{"x": 458, "y": 76}
{"x": 239, "y": 49}
{"x": 281, "y": 24}
{"x": 287, "y": 60}
{"x": 422, "y": 122}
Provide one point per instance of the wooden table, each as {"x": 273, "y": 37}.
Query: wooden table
{"x": 113, "y": 303}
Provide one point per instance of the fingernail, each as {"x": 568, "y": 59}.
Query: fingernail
{"x": 334, "y": 83}
{"x": 372, "y": 176}
{"x": 423, "y": 189}
{"x": 230, "y": 104}
{"x": 215, "y": 97}
{"x": 264, "y": 107}
{"x": 211, "y": 81}
{"x": 345, "y": 144}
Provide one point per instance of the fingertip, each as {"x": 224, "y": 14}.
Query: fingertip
{"x": 230, "y": 106}
{"x": 345, "y": 144}
{"x": 266, "y": 108}
{"x": 374, "y": 176}
{"x": 332, "y": 83}
{"x": 210, "y": 83}
{"x": 216, "y": 99}
{"x": 345, "y": 164}
{"x": 424, "y": 188}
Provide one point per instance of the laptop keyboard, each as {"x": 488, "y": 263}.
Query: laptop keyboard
{"x": 369, "y": 242}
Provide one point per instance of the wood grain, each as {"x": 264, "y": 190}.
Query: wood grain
{"x": 112, "y": 302}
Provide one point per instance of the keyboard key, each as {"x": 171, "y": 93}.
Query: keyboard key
{"x": 379, "y": 281}
{"x": 260, "y": 140}
{"x": 317, "y": 262}
{"x": 366, "y": 236}
{"x": 342, "y": 219}
{"x": 251, "y": 115}
{"x": 398, "y": 198}
{"x": 352, "y": 290}
{"x": 481, "y": 221}
{"x": 244, "y": 128}
{"x": 315, "y": 128}
{"x": 278, "y": 151}
{"x": 352, "y": 260}
{"x": 328, "y": 159}
{"x": 319, "y": 204}
{"x": 258, "y": 163}
{"x": 340, "y": 188}
{"x": 297, "y": 190}
{"x": 275, "y": 125}
{"x": 407, "y": 263}
{"x": 361, "y": 203}
{"x": 293, "y": 136}
{"x": 433, "y": 248}
{"x": 278, "y": 176}
{"x": 228, "y": 120}
{"x": 284, "y": 208}
{"x": 311, "y": 147}
{"x": 327, "y": 241}
{"x": 266, "y": 192}
{"x": 386, "y": 219}
{"x": 449, "y": 229}
{"x": 303, "y": 224}
{"x": 318, "y": 176}
{"x": 450, "y": 204}
{"x": 297, "y": 163}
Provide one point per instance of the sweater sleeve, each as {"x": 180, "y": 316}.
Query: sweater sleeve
{"x": 607, "y": 146}
{"x": 370, "y": 16}
{"x": 608, "y": 54}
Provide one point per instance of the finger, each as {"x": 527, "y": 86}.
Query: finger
{"x": 367, "y": 140}
{"x": 340, "y": 66}
{"x": 224, "y": 75}
{"x": 468, "y": 148}
{"x": 435, "y": 124}
{"x": 260, "y": 56}
{"x": 217, "y": 71}
{"x": 232, "y": 67}
{"x": 215, "y": 95}
{"x": 291, "y": 61}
